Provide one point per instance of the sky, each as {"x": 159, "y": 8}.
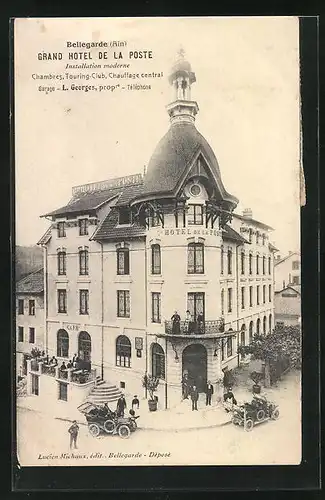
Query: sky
{"x": 247, "y": 89}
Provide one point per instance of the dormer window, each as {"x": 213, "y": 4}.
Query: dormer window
{"x": 83, "y": 227}
{"x": 124, "y": 216}
{"x": 195, "y": 215}
{"x": 61, "y": 229}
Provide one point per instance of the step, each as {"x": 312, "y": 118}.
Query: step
{"x": 105, "y": 394}
{"x": 105, "y": 389}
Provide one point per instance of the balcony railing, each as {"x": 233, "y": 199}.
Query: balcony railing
{"x": 48, "y": 370}
{"x": 195, "y": 327}
{"x": 83, "y": 376}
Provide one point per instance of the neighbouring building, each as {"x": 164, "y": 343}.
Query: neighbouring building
{"x": 30, "y": 317}
{"x": 287, "y": 306}
{"x": 125, "y": 254}
{"x": 287, "y": 271}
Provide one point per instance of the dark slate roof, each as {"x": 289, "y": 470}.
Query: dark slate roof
{"x": 230, "y": 234}
{"x": 85, "y": 202}
{"x": 254, "y": 221}
{"x": 129, "y": 193}
{"x": 32, "y": 283}
{"x": 173, "y": 154}
{"x": 110, "y": 229}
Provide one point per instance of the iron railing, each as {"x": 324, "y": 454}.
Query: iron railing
{"x": 195, "y": 327}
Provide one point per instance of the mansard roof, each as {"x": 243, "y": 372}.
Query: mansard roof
{"x": 32, "y": 283}
{"x": 172, "y": 158}
{"x": 110, "y": 229}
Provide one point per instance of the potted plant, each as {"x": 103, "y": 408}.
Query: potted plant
{"x": 35, "y": 353}
{"x": 151, "y": 383}
{"x": 257, "y": 378}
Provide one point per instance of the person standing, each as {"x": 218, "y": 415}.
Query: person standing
{"x": 135, "y": 402}
{"x": 73, "y": 431}
{"x": 209, "y": 392}
{"x": 121, "y": 405}
{"x": 185, "y": 386}
{"x": 176, "y": 325}
{"x": 194, "y": 397}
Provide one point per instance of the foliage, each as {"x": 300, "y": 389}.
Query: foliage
{"x": 35, "y": 352}
{"x": 151, "y": 384}
{"x": 283, "y": 343}
{"x": 256, "y": 377}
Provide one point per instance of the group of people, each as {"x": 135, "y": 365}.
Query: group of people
{"x": 121, "y": 405}
{"x": 190, "y": 390}
{"x": 191, "y": 325}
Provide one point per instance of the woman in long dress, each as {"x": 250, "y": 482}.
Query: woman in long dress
{"x": 176, "y": 326}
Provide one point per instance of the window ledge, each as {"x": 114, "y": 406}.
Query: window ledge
{"x": 83, "y": 280}
{"x": 62, "y": 280}
{"x": 122, "y": 278}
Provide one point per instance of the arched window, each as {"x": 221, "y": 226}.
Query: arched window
{"x": 263, "y": 264}
{"x": 242, "y": 262}
{"x": 195, "y": 258}
{"x": 251, "y": 326}
{"x": 257, "y": 264}
{"x": 269, "y": 265}
{"x": 250, "y": 261}
{"x": 123, "y": 261}
{"x": 242, "y": 334}
{"x": 270, "y": 323}
{"x": 264, "y": 325}
{"x": 62, "y": 263}
{"x": 222, "y": 302}
{"x": 123, "y": 351}
{"x": 62, "y": 344}
{"x": 258, "y": 325}
{"x": 84, "y": 346}
{"x": 158, "y": 361}
{"x": 155, "y": 259}
{"x": 250, "y": 235}
{"x": 257, "y": 237}
{"x": 83, "y": 263}
{"x": 229, "y": 261}
{"x": 222, "y": 259}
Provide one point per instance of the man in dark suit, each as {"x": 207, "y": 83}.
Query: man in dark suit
{"x": 194, "y": 397}
{"x": 209, "y": 391}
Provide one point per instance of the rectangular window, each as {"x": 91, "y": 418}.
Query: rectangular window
{"x": 243, "y": 297}
{"x": 229, "y": 347}
{"x": 250, "y": 263}
{"x": 123, "y": 303}
{"x": 155, "y": 259}
{"x": 229, "y": 259}
{"x": 62, "y": 301}
{"x": 229, "y": 300}
{"x": 62, "y": 261}
{"x": 250, "y": 235}
{"x": 250, "y": 296}
{"x": 61, "y": 229}
{"x": 195, "y": 258}
{"x": 123, "y": 261}
{"x": 221, "y": 257}
{"x": 31, "y": 308}
{"x": 195, "y": 304}
{"x": 155, "y": 221}
{"x": 269, "y": 265}
{"x": 223, "y": 345}
{"x": 32, "y": 335}
{"x": 155, "y": 316}
{"x": 222, "y": 302}
{"x": 20, "y": 334}
{"x": 264, "y": 294}
{"x": 263, "y": 264}
{"x": 35, "y": 384}
{"x": 20, "y": 306}
{"x": 257, "y": 264}
{"x": 124, "y": 216}
{"x": 295, "y": 265}
{"x": 63, "y": 391}
{"x": 257, "y": 294}
{"x": 295, "y": 280}
{"x": 195, "y": 215}
{"x": 83, "y": 301}
{"x": 242, "y": 262}
{"x": 270, "y": 293}
{"x": 83, "y": 263}
{"x": 83, "y": 227}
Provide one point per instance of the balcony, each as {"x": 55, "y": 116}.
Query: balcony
{"x": 210, "y": 327}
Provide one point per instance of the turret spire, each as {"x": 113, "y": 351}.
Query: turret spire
{"x": 182, "y": 109}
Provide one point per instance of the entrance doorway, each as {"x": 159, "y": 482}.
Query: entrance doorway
{"x": 194, "y": 361}
{"x": 84, "y": 347}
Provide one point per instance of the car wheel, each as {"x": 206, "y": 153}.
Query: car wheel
{"x": 249, "y": 424}
{"x": 275, "y": 414}
{"x": 94, "y": 430}
{"x": 260, "y": 415}
{"x": 109, "y": 426}
{"x": 124, "y": 431}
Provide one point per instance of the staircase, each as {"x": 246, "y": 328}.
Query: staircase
{"x": 103, "y": 392}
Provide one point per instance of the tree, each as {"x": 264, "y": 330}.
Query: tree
{"x": 283, "y": 344}
{"x": 150, "y": 384}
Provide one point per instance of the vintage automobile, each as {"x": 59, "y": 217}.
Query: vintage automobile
{"x": 104, "y": 420}
{"x": 257, "y": 411}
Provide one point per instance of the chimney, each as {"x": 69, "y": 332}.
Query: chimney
{"x": 247, "y": 213}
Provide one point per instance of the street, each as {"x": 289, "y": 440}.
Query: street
{"x": 43, "y": 440}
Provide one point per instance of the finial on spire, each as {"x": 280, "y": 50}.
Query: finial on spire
{"x": 181, "y": 53}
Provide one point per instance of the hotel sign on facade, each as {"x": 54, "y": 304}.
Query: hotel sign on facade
{"x": 113, "y": 183}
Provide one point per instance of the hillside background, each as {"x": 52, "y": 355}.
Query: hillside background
{"x": 27, "y": 260}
